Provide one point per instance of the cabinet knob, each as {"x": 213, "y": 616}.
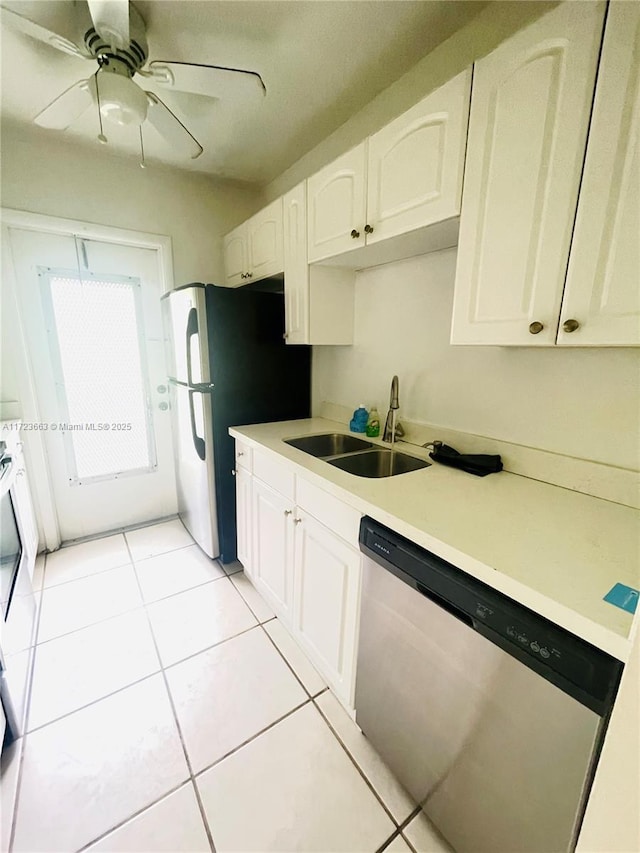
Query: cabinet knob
{"x": 243, "y": 275}
{"x": 536, "y": 328}
{"x": 368, "y": 229}
{"x": 355, "y": 234}
{"x": 288, "y": 511}
{"x": 241, "y": 453}
{"x": 286, "y": 335}
{"x": 249, "y": 275}
{"x": 570, "y": 325}
{"x": 297, "y": 521}
{"x": 234, "y": 472}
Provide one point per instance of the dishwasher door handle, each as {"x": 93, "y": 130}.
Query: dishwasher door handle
{"x": 445, "y": 605}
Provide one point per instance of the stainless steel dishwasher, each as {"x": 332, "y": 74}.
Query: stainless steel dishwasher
{"x": 491, "y": 716}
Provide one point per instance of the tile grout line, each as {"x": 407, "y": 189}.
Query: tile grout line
{"x": 135, "y": 814}
{"x": 290, "y": 666}
{"x": 358, "y": 768}
{"x": 27, "y": 710}
{"x": 253, "y": 737}
{"x": 177, "y": 722}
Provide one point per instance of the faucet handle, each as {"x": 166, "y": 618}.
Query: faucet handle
{"x": 433, "y": 445}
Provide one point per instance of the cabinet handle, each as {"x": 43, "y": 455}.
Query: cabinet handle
{"x": 242, "y": 275}
{"x": 368, "y": 229}
{"x": 536, "y": 328}
{"x": 241, "y": 453}
{"x": 288, "y": 511}
{"x": 570, "y": 325}
{"x": 355, "y": 234}
{"x": 297, "y": 521}
{"x": 234, "y": 471}
{"x": 286, "y": 335}
{"x": 249, "y": 275}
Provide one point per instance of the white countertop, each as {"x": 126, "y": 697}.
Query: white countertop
{"x": 552, "y": 549}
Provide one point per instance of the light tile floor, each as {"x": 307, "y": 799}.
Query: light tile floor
{"x": 171, "y": 711}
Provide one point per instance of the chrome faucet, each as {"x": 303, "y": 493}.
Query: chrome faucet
{"x": 391, "y": 425}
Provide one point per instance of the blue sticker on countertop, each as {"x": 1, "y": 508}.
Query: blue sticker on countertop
{"x": 625, "y": 597}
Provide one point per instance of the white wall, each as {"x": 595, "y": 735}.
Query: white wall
{"x": 480, "y": 36}
{"x": 42, "y": 173}
{"x": 581, "y": 402}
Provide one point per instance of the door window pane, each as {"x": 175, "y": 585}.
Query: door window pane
{"x": 98, "y": 356}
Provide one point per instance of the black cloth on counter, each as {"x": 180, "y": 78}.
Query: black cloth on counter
{"x": 479, "y": 464}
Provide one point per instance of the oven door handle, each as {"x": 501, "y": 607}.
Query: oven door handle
{"x": 7, "y": 469}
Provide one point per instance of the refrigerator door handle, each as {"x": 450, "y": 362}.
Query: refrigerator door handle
{"x": 192, "y": 329}
{"x": 198, "y": 441}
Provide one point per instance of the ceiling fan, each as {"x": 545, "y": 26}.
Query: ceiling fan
{"x": 115, "y": 38}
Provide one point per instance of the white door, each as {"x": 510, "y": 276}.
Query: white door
{"x": 264, "y": 238}
{"x": 601, "y": 303}
{"x": 92, "y": 320}
{"x": 416, "y": 162}
{"x": 336, "y": 206}
{"x": 272, "y": 557}
{"x": 327, "y": 573}
{"x": 296, "y": 268}
{"x": 530, "y": 109}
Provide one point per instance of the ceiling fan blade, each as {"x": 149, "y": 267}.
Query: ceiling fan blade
{"x": 212, "y": 80}
{"x": 35, "y": 31}
{"x": 111, "y": 21}
{"x": 171, "y": 128}
{"x": 68, "y": 106}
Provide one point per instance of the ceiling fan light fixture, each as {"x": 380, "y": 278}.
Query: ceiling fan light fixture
{"x": 121, "y": 100}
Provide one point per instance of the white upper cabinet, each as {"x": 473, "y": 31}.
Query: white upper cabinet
{"x": 416, "y": 163}
{"x": 235, "y": 256}
{"x": 528, "y": 127}
{"x": 254, "y": 249}
{"x": 296, "y": 268}
{"x": 318, "y": 300}
{"x": 601, "y": 301}
{"x": 404, "y": 178}
{"x": 265, "y": 241}
{"x": 336, "y": 205}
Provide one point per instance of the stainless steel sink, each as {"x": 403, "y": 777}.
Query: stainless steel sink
{"x": 328, "y": 444}
{"x": 378, "y": 463}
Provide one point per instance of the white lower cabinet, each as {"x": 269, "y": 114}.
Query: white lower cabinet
{"x": 308, "y": 573}
{"x": 272, "y": 547}
{"x": 325, "y": 602}
{"x": 243, "y": 521}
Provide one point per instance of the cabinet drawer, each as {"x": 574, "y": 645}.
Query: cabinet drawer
{"x": 343, "y": 520}
{"x": 243, "y": 456}
{"x": 274, "y": 474}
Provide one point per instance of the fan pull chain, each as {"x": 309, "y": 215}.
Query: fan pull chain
{"x": 101, "y": 137}
{"x": 143, "y": 165}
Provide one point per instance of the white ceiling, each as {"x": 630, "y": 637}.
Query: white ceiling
{"x": 321, "y": 61}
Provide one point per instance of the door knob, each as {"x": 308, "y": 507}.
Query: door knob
{"x": 570, "y": 325}
{"x": 355, "y": 234}
{"x": 536, "y": 328}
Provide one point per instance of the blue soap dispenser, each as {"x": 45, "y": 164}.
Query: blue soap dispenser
{"x": 358, "y": 422}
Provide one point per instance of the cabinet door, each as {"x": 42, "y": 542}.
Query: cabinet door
{"x": 327, "y": 587}
{"x": 243, "y": 513}
{"x": 235, "y": 256}
{"x": 296, "y": 268}
{"x": 272, "y": 552}
{"x": 602, "y": 292}
{"x": 336, "y": 206}
{"x": 415, "y": 163}
{"x": 264, "y": 237}
{"x": 530, "y": 109}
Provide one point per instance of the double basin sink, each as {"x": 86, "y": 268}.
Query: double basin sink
{"x": 356, "y": 456}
